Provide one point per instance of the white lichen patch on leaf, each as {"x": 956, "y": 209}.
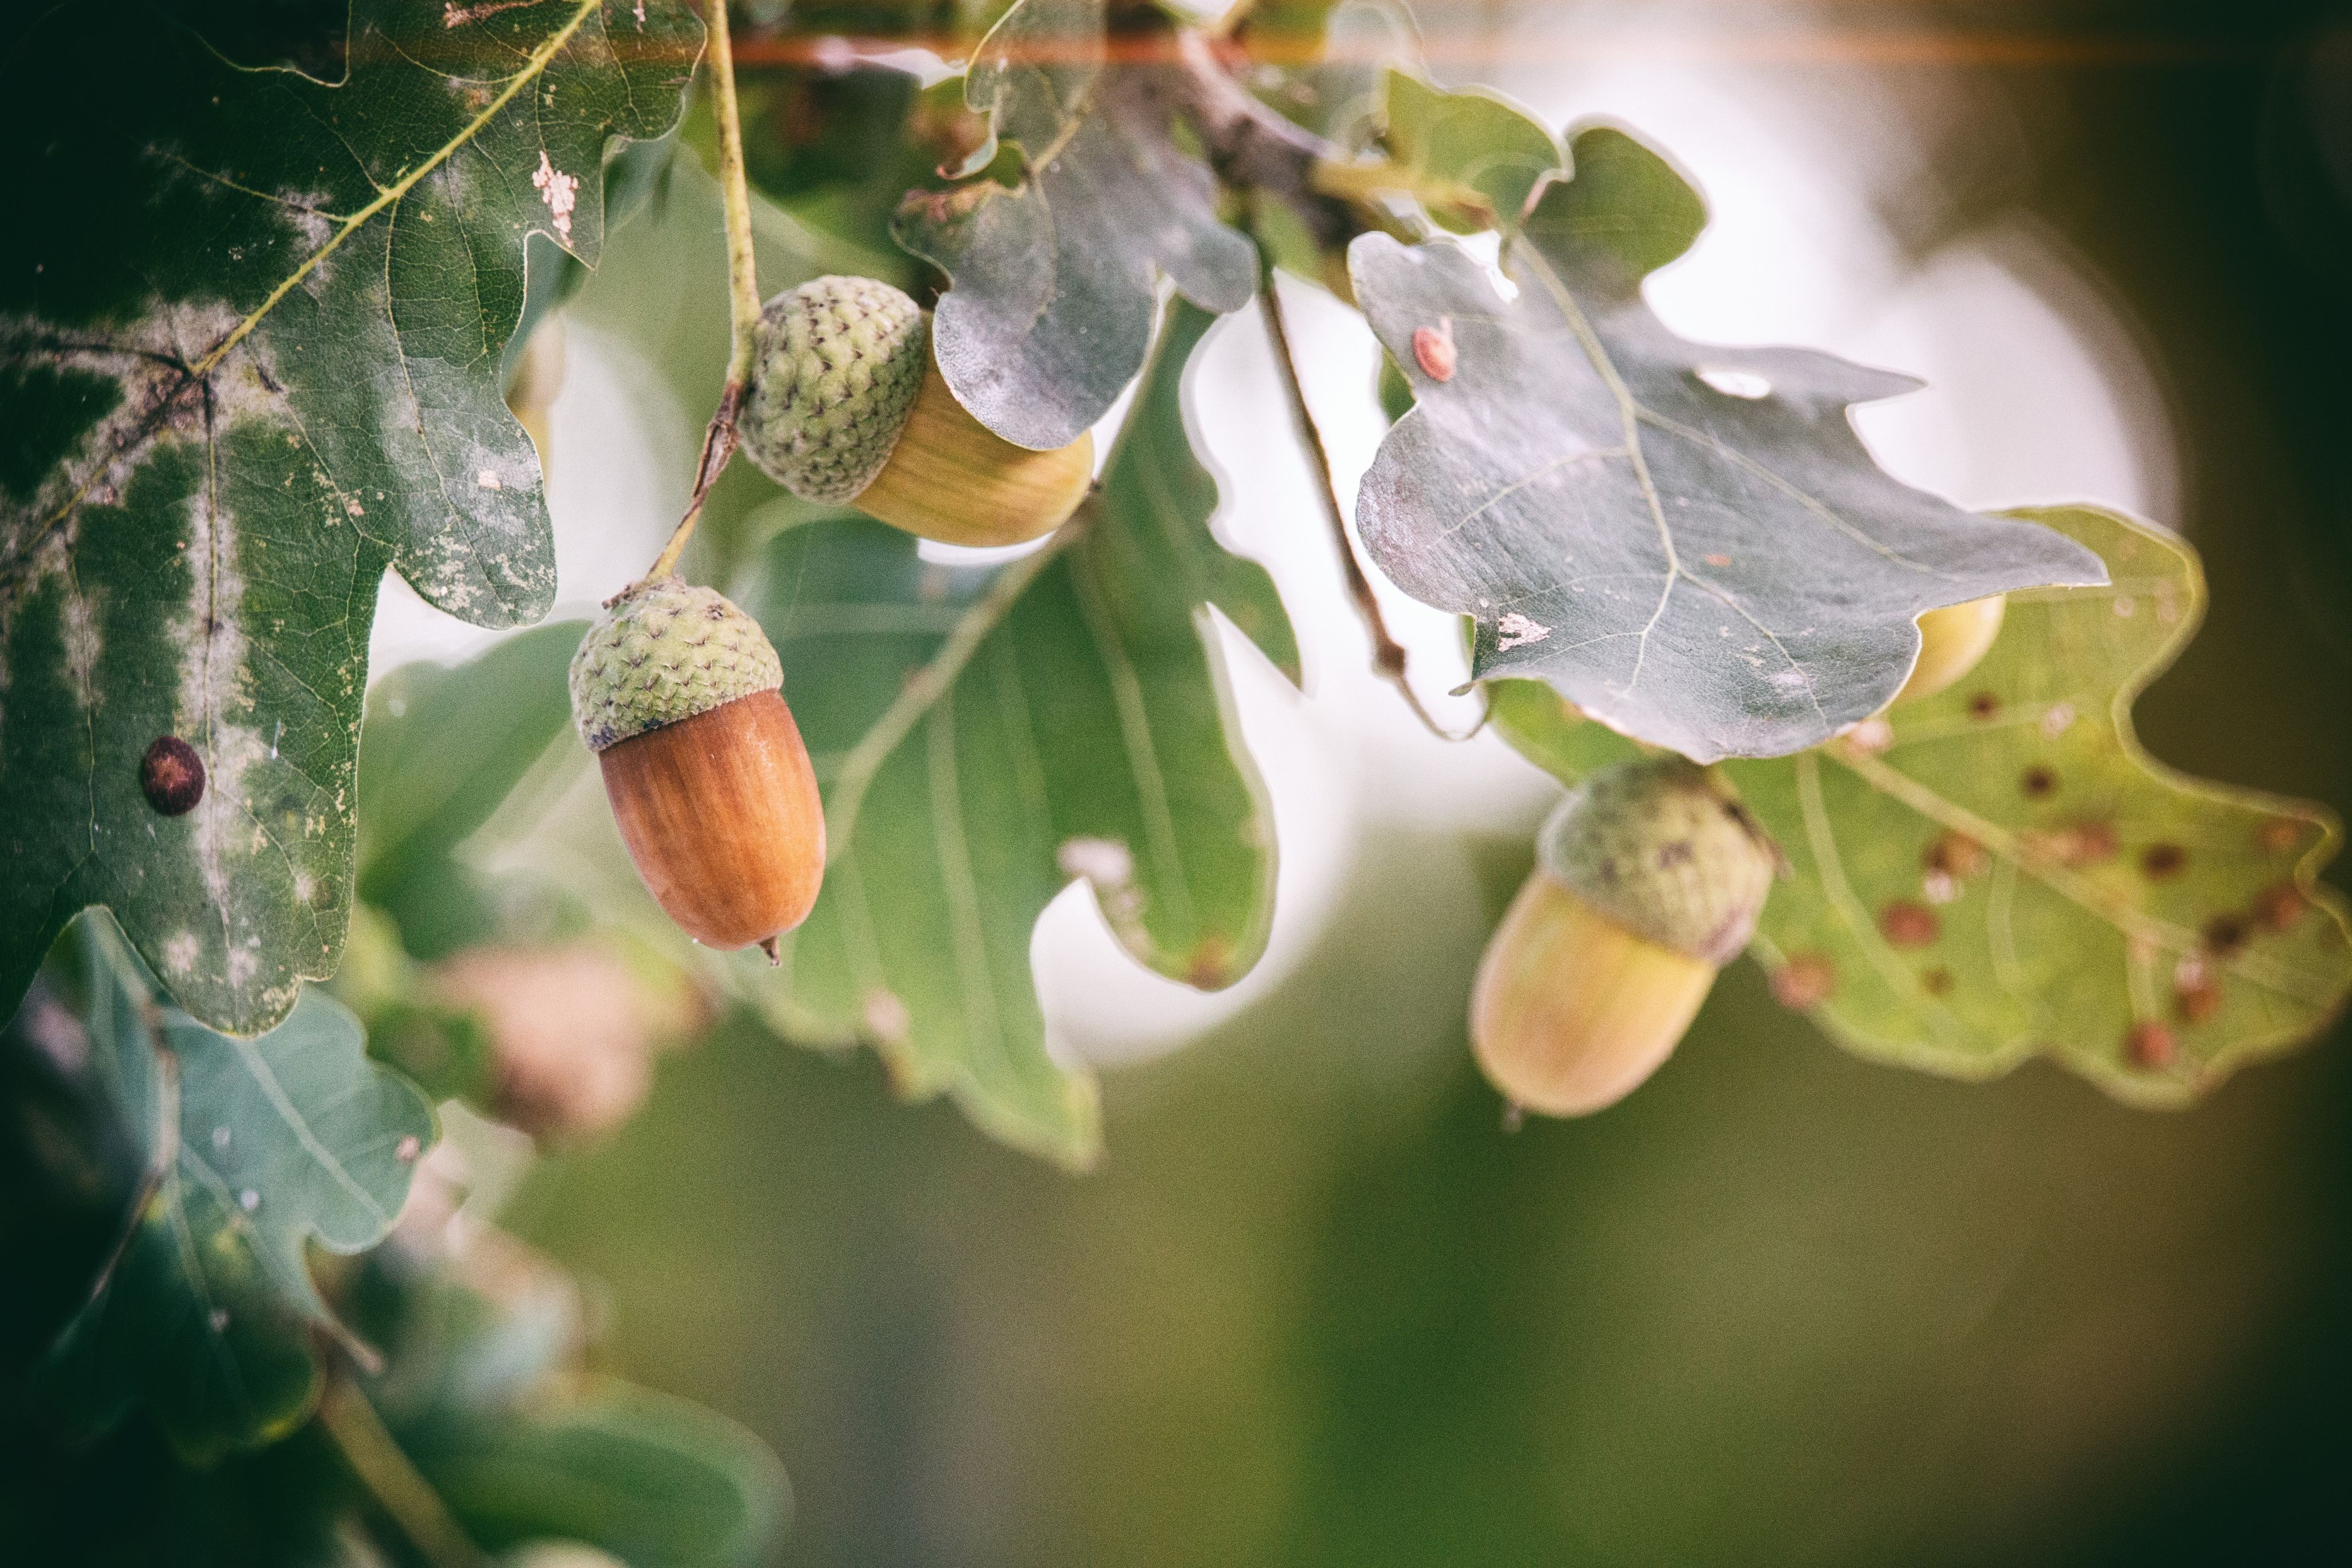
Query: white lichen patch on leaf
{"x": 560, "y": 191}
{"x": 1517, "y": 630}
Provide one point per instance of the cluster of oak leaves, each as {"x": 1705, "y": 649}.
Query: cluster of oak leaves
{"x": 1914, "y": 795}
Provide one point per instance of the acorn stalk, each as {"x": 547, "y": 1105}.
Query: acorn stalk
{"x": 1649, "y": 878}
{"x": 848, "y": 405}
{"x": 677, "y": 693}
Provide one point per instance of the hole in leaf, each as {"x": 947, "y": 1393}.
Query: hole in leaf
{"x": 1736, "y": 383}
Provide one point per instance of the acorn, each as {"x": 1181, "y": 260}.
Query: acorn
{"x": 677, "y": 693}
{"x": 1951, "y": 640}
{"x": 1649, "y": 878}
{"x": 848, "y": 405}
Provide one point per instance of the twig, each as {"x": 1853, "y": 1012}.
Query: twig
{"x": 359, "y": 1433}
{"x": 1389, "y": 659}
{"x": 743, "y": 290}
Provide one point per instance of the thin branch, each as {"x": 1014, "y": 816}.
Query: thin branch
{"x": 359, "y": 1434}
{"x": 1389, "y": 658}
{"x": 743, "y": 290}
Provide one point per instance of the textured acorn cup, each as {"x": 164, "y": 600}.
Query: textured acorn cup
{"x": 1650, "y": 876}
{"x": 848, "y": 405}
{"x": 1951, "y": 640}
{"x": 676, "y": 690}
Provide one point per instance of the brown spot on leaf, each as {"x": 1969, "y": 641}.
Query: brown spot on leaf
{"x": 2195, "y": 996}
{"x": 2279, "y": 835}
{"x": 1984, "y": 706}
{"x": 2224, "y": 934}
{"x": 1210, "y": 964}
{"x": 1433, "y": 347}
{"x": 2075, "y": 845}
{"x": 1806, "y": 980}
{"x": 1677, "y": 852}
{"x": 1937, "y": 982}
{"x": 2280, "y": 907}
{"x": 2151, "y": 1045}
{"x": 1905, "y": 924}
{"x": 2038, "y": 782}
{"x": 2159, "y": 861}
{"x": 1957, "y": 856}
{"x": 172, "y": 776}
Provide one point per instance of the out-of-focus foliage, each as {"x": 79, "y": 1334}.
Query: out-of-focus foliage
{"x": 247, "y": 1151}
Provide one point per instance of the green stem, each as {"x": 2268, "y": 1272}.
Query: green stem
{"x": 742, "y": 290}
{"x": 359, "y": 1433}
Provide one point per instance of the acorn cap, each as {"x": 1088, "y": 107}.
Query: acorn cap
{"x": 664, "y": 651}
{"x": 1665, "y": 847}
{"x": 840, "y": 360}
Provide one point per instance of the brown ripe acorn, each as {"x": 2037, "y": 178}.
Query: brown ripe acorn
{"x": 1951, "y": 642}
{"x": 1649, "y": 878}
{"x": 848, "y": 404}
{"x": 677, "y": 691}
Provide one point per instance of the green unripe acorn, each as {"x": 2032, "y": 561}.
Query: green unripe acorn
{"x": 677, "y": 693}
{"x": 1951, "y": 642}
{"x": 848, "y": 404}
{"x": 1649, "y": 878}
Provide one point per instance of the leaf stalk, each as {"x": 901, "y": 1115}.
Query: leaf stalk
{"x": 359, "y": 1433}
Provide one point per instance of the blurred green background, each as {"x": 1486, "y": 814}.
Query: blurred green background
{"x": 1779, "y": 1306}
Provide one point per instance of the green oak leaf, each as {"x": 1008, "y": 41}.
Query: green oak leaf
{"x": 2001, "y": 872}
{"x": 1473, "y": 158}
{"x": 255, "y": 1150}
{"x": 251, "y": 331}
{"x": 1088, "y": 733}
{"x": 1690, "y": 542}
{"x": 1055, "y": 282}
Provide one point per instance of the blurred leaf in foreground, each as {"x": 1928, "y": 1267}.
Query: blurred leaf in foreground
{"x": 254, "y": 1149}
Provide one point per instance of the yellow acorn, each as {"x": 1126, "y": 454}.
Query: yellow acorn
{"x": 1649, "y": 878}
{"x": 848, "y": 405}
{"x": 1951, "y": 640}
{"x": 676, "y": 692}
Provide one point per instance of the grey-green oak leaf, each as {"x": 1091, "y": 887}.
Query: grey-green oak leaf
{"x": 255, "y": 1150}
{"x": 1055, "y": 281}
{"x": 1691, "y": 543}
{"x": 251, "y": 326}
